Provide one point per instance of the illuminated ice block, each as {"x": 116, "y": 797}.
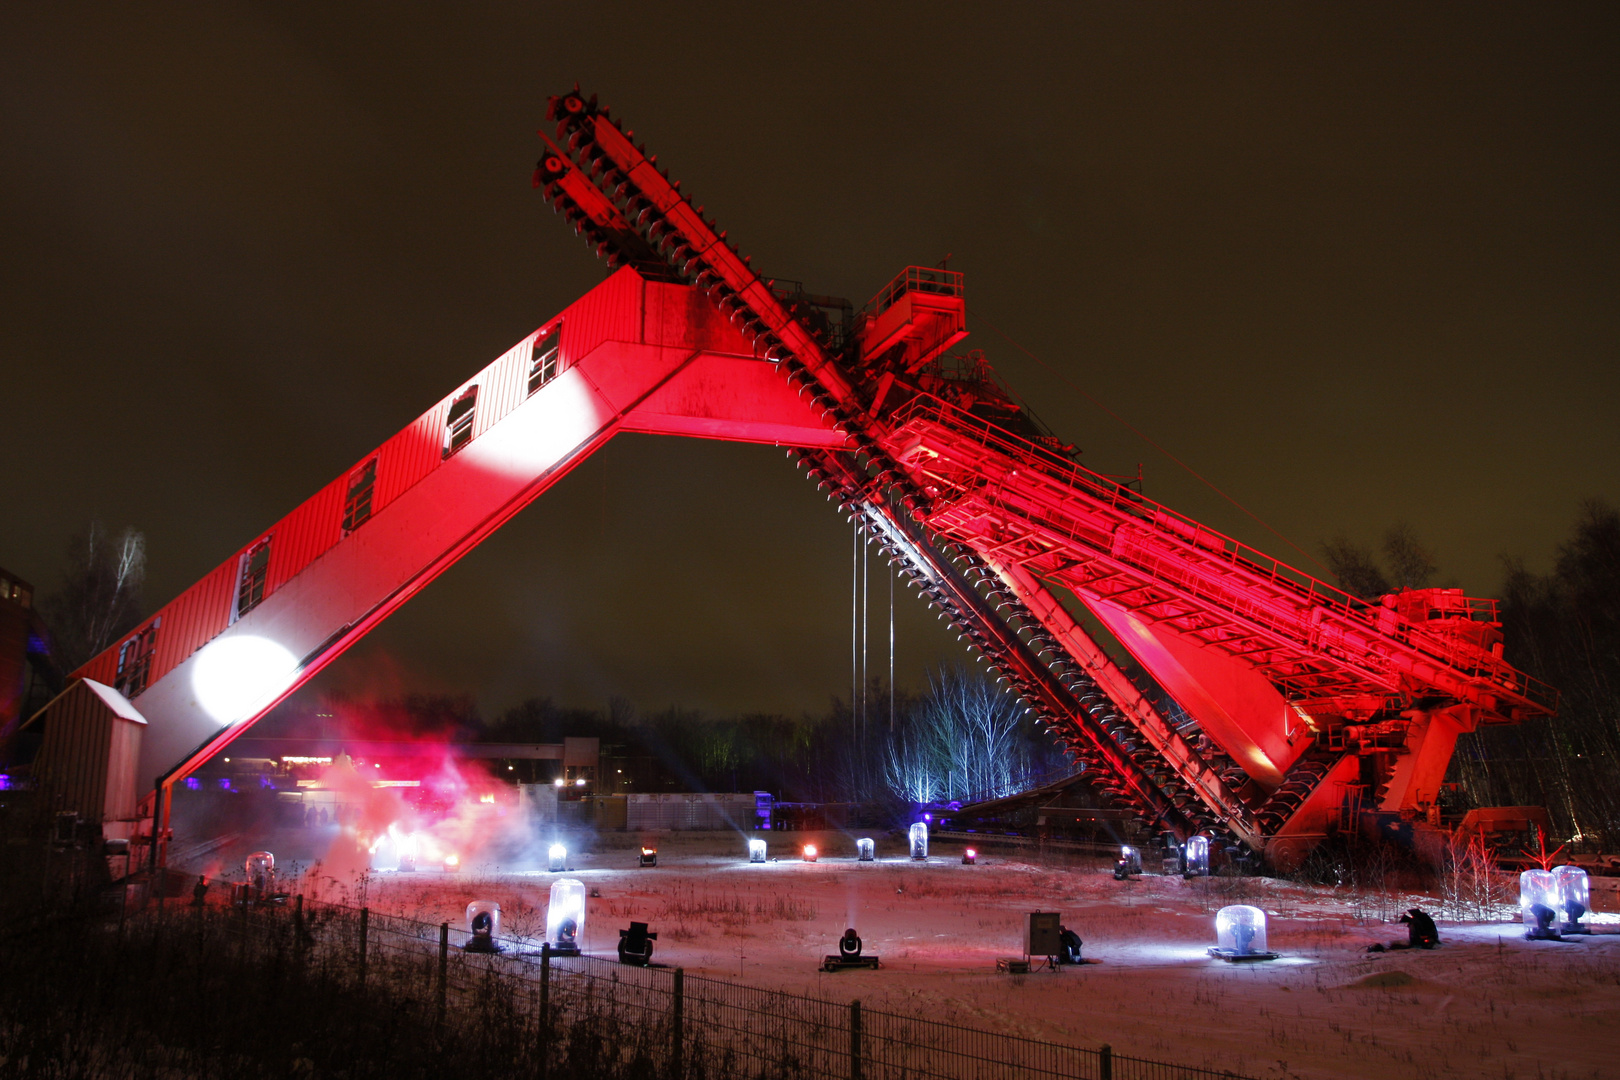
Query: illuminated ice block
{"x": 865, "y": 849}
{"x": 1538, "y": 904}
{"x": 756, "y": 850}
{"x": 484, "y": 919}
{"x": 810, "y": 853}
{"x": 261, "y": 872}
{"x": 565, "y": 915}
{"x": 1574, "y": 898}
{"x": 919, "y": 840}
{"x": 1240, "y": 931}
{"x": 1197, "y": 852}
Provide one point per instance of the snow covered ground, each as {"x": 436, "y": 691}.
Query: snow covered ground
{"x": 1486, "y": 1004}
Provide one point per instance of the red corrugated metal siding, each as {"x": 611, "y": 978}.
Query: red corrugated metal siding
{"x": 195, "y": 617}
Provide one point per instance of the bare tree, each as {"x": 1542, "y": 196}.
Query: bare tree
{"x": 966, "y": 739}
{"x": 99, "y": 599}
{"x": 1411, "y": 565}
{"x": 1355, "y": 567}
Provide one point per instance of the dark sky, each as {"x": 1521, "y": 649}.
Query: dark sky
{"x": 1354, "y": 265}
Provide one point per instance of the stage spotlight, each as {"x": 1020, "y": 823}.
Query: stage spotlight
{"x": 649, "y": 856}
{"x": 756, "y": 850}
{"x": 636, "y": 945}
{"x": 1240, "y": 934}
{"x": 969, "y": 857}
{"x": 483, "y": 924}
{"x": 261, "y": 875}
{"x": 565, "y": 917}
{"x": 918, "y": 835}
{"x": 865, "y": 849}
{"x": 1128, "y": 864}
{"x": 1574, "y": 898}
{"x": 1196, "y": 857}
{"x": 810, "y": 853}
{"x": 557, "y": 859}
{"x": 849, "y": 955}
{"x": 1538, "y": 905}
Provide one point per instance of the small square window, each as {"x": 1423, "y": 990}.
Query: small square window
{"x": 357, "y": 506}
{"x": 458, "y": 426}
{"x": 250, "y": 577}
{"x": 544, "y": 357}
{"x": 135, "y": 662}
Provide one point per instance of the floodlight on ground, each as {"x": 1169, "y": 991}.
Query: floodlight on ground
{"x": 261, "y": 874}
{"x": 810, "y": 853}
{"x": 918, "y": 835}
{"x": 1240, "y": 934}
{"x": 1574, "y": 898}
{"x": 565, "y": 916}
{"x": 1196, "y": 855}
{"x": 970, "y": 856}
{"x": 636, "y": 945}
{"x": 557, "y": 859}
{"x": 849, "y": 954}
{"x": 1538, "y": 905}
{"x": 756, "y": 850}
{"x": 1129, "y": 862}
{"x": 452, "y": 863}
{"x": 865, "y": 849}
{"x": 649, "y": 856}
{"x": 407, "y": 852}
{"x": 483, "y": 926}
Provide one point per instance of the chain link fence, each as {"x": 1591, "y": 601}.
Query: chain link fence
{"x": 580, "y": 1015}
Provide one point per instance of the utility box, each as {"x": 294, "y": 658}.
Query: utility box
{"x": 1041, "y": 934}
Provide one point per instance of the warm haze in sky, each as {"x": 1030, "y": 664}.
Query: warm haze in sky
{"x": 1354, "y": 265}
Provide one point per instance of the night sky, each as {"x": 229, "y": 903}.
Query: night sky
{"x": 1354, "y": 266}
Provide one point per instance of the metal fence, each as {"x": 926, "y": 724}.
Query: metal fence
{"x": 670, "y": 1024}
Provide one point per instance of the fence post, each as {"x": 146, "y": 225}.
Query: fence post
{"x": 855, "y": 1040}
{"x": 1105, "y": 1062}
{"x": 365, "y": 919}
{"x": 444, "y": 969}
{"x": 677, "y": 1023}
{"x": 545, "y": 1010}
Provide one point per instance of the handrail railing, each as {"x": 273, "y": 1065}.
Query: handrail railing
{"x": 923, "y": 279}
{"x": 1215, "y": 546}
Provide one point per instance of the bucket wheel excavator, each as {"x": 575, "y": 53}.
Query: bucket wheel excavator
{"x": 1264, "y": 706}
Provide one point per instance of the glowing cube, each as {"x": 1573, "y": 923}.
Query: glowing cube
{"x": 1538, "y": 904}
{"x": 810, "y": 853}
{"x": 1240, "y": 931}
{"x": 557, "y": 859}
{"x": 756, "y": 850}
{"x": 1574, "y": 898}
{"x": 865, "y": 849}
{"x": 919, "y": 840}
{"x": 565, "y": 916}
{"x": 1197, "y": 856}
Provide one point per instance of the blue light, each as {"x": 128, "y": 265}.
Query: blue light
{"x": 192, "y": 783}
{"x": 5, "y": 782}
{"x": 225, "y": 782}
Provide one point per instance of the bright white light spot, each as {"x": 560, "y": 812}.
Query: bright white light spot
{"x": 558, "y": 852}
{"x": 236, "y": 674}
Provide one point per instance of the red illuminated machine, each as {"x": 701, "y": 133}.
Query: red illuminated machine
{"x": 1298, "y": 703}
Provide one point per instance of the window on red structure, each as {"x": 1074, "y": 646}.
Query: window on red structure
{"x": 251, "y": 573}
{"x": 357, "y": 506}
{"x": 135, "y": 661}
{"x": 458, "y": 426}
{"x": 544, "y": 357}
